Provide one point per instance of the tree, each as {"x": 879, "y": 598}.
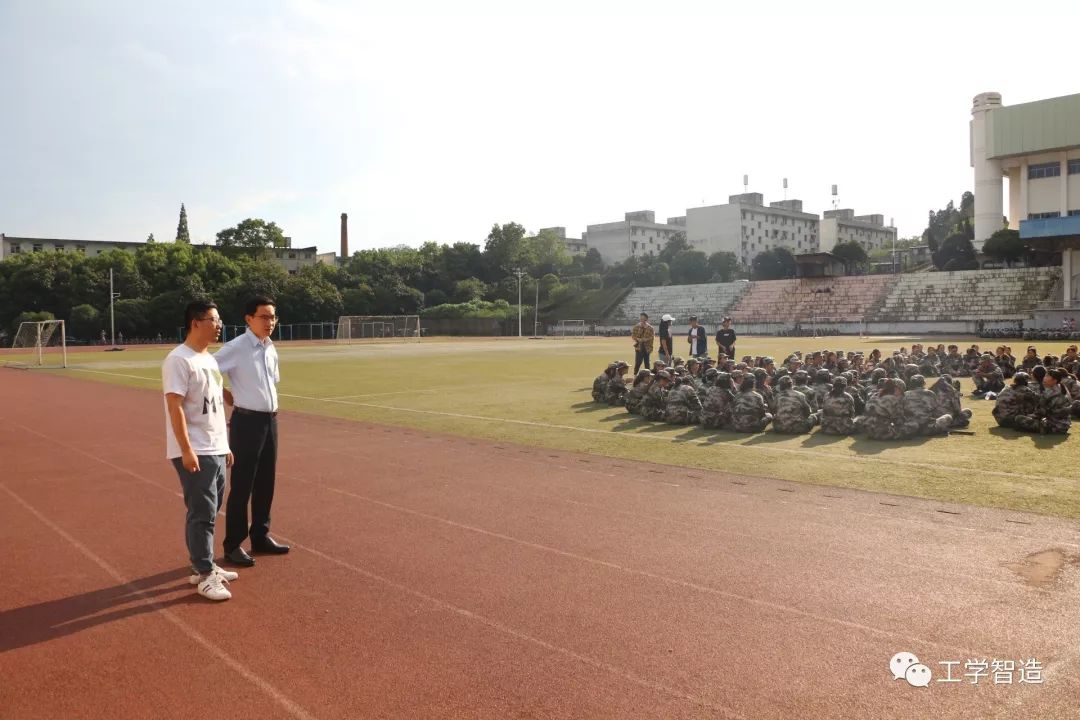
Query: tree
{"x": 689, "y": 266}
{"x": 775, "y": 264}
{"x": 593, "y": 263}
{"x": 854, "y": 256}
{"x": 505, "y": 249}
{"x": 469, "y": 289}
{"x": 251, "y": 233}
{"x": 84, "y": 322}
{"x": 723, "y": 266}
{"x": 676, "y": 244}
{"x": 182, "y": 235}
{"x": 956, "y": 253}
{"x": 150, "y": 239}
{"x": 1004, "y": 245}
{"x": 549, "y": 253}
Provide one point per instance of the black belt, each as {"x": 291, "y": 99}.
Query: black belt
{"x": 258, "y": 413}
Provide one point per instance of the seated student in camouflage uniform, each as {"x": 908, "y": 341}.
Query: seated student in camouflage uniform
{"x": 1031, "y": 359}
{"x": 716, "y": 410}
{"x": 748, "y": 412}
{"x": 1005, "y": 361}
{"x": 1070, "y": 361}
{"x": 652, "y": 407}
{"x": 802, "y": 378}
{"x": 885, "y": 415}
{"x": 1016, "y": 401}
{"x": 953, "y": 362}
{"x": 636, "y": 393}
{"x": 616, "y": 389}
{"x": 988, "y": 377}
{"x": 821, "y": 387}
{"x": 921, "y": 415}
{"x": 971, "y": 361}
{"x": 599, "y": 385}
{"x": 793, "y": 415}
{"x": 683, "y": 406}
{"x": 948, "y": 397}
{"x": 761, "y": 385}
{"x": 1072, "y": 389}
{"x": 1056, "y": 407}
{"x": 838, "y": 414}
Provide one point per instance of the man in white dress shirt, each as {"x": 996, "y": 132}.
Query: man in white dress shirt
{"x": 250, "y": 361}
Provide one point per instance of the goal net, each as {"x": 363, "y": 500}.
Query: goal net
{"x": 571, "y": 328}
{"x": 38, "y": 344}
{"x": 375, "y": 328}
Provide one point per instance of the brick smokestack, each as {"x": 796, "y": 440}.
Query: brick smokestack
{"x": 344, "y": 236}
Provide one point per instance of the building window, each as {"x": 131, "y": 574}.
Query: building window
{"x": 81, "y": 249}
{"x": 292, "y": 256}
{"x": 1074, "y": 167}
{"x": 37, "y": 247}
{"x": 1043, "y": 215}
{"x": 1072, "y": 213}
{"x": 1044, "y": 170}
{"x": 16, "y": 249}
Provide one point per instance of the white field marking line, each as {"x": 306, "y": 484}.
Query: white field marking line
{"x": 905, "y": 520}
{"x": 707, "y": 526}
{"x": 439, "y": 603}
{"x": 778, "y": 607}
{"x": 399, "y": 392}
{"x": 276, "y": 695}
{"x": 702, "y": 442}
{"x": 835, "y": 457}
{"x": 102, "y": 372}
{"x": 506, "y": 629}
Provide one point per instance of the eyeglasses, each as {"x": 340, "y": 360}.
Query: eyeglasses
{"x": 215, "y": 320}
{"x": 268, "y": 318}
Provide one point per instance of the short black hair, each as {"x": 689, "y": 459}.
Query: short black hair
{"x": 645, "y": 315}
{"x": 252, "y": 306}
{"x": 196, "y": 309}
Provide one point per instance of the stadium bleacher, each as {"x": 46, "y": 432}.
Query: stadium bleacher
{"x": 849, "y": 299}
{"x": 709, "y": 301}
{"x": 1009, "y": 294}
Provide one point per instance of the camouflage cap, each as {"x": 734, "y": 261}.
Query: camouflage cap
{"x": 692, "y": 361}
{"x": 916, "y": 381}
{"x": 823, "y": 376}
{"x": 663, "y": 375}
{"x": 839, "y": 381}
{"x": 711, "y": 373}
{"x": 1021, "y": 378}
{"x": 801, "y": 375}
{"x": 621, "y": 365}
{"x": 784, "y": 383}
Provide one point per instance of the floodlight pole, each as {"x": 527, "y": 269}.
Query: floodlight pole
{"x": 112, "y": 314}
{"x": 519, "y": 272}
{"x": 536, "y": 311}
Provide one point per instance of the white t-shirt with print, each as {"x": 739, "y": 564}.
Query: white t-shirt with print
{"x": 196, "y": 376}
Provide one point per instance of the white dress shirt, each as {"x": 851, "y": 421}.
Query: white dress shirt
{"x": 251, "y": 365}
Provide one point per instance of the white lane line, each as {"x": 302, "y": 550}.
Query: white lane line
{"x": 704, "y": 441}
{"x": 399, "y": 392}
{"x": 276, "y": 695}
{"x": 103, "y": 372}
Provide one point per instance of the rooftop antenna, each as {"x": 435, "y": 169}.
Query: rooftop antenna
{"x": 785, "y": 189}
{"x": 835, "y": 199}
{"x": 745, "y": 184}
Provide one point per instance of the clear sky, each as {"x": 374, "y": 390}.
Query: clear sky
{"x": 433, "y": 120}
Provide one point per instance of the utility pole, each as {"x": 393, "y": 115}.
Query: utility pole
{"x": 112, "y": 314}
{"x": 520, "y": 273}
{"x": 536, "y": 311}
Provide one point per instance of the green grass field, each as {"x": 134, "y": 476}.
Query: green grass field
{"x": 536, "y": 392}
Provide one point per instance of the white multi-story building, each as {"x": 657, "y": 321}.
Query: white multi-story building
{"x": 746, "y": 226}
{"x": 574, "y": 246}
{"x": 637, "y": 234}
{"x": 843, "y": 225}
{"x": 1037, "y": 146}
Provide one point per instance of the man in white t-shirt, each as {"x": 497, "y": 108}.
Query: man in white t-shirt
{"x": 197, "y": 440}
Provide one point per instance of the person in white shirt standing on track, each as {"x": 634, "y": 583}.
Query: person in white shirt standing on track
{"x": 197, "y": 440}
{"x": 251, "y": 363}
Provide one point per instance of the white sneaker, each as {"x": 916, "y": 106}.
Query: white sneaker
{"x": 212, "y": 587}
{"x": 226, "y": 575}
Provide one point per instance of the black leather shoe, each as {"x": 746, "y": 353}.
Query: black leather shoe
{"x": 238, "y": 556}
{"x": 268, "y": 546}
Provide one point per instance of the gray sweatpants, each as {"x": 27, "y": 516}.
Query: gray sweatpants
{"x": 203, "y": 492}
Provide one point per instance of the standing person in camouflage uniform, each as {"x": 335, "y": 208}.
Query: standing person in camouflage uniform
{"x": 683, "y": 406}
{"x": 838, "y": 414}
{"x": 948, "y": 398}
{"x": 636, "y": 393}
{"x": 1056, "y": 406}
{"x": 921, "y": 411}
{"x": 652, "y": 406}
{"x": 748, "y": 413}
{"x": 885, "y": 418}
{"x": 616, "y": 389}
{"x": 793, "y": 414}
{"x": 716, "y": 410}
{"x": 1018, "y": 400}
{"x": 988, "y": 377}
{"x": 599, "y": 385}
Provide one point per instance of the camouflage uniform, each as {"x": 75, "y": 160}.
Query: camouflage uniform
{"x": 821, "y": 387}
{"x": 838, "y": 413}
{"x": 1056, "y": 411}
{"x": 652, "y": 405}
{"x": 921, "y": 415}
{"x": 1072, "y": 389}
{"x": 716, "y": 410}
{"x": 793, "y": 413}
{"x": 635, "y": 396}
{"x": 599, "y": 385}
{"x": 953, "y": 363}
{"x": 1017, "y": 405}
{"x": 885, "y": 418}
{"x": 988, "y": 377}
{"x": 683, "y": 406}
{"x": 616, "y": 389}
{"x": 800, "y": 378}
{"x": 948, "y": 402}
{"x": 748, "y": 412}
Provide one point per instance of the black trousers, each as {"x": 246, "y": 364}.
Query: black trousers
{"x": 254, "y": 441}
{"x": 641, "y": 358}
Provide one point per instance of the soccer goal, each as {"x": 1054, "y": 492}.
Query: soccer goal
{"x": 39, "y": 344}
{"x": 571, "y": 328}
{"x": 375, "y": 328}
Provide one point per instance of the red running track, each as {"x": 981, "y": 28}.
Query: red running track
{"x": 435, "y": 577}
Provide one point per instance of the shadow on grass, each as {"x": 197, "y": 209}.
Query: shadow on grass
{"x": 633, "y": 422}
{"x": 865, "y": 446}
{"x": 770, "y": 436}
{"x": 819, "y": 438}
{"x": 1039, "y": 441}
{"x": 589, "y": 405}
